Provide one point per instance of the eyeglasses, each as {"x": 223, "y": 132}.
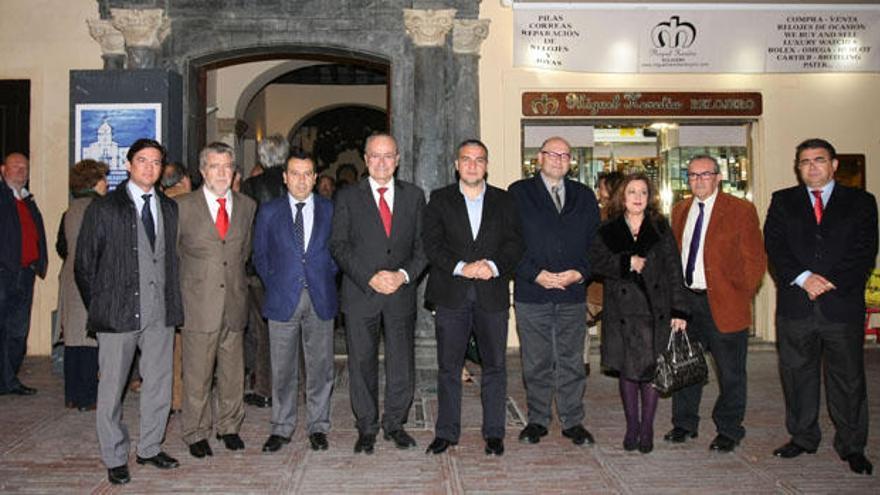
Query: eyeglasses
{"x": 557, "y": 156}
{"x": 819, "y": 161}
{"x": 701, "y": 175}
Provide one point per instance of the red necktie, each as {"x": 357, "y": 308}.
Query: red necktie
{"x": 222, "y": 218}
{"x": 384, "y": 211}
{"x": 817, "y": 205}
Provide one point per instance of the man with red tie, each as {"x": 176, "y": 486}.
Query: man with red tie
{"x": 821, "y": 240}
{"x": 213, "y": 243}
{"x": 377, "y": 243}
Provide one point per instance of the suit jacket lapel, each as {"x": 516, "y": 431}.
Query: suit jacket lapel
{"x": 488, "y": 210}
{"x": 204, "y": 213}
{"x": 371, "y": 207}
{"x": 318, "y": 218}
{"x": 716, "y": 221}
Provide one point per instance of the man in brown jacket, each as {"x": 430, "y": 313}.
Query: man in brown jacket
{"x": 723, "y": 257}
{"x": 213, "y": 243}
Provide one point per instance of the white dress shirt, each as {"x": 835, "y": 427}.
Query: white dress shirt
{"x": 136, "y": 194}
{"x": 214, "y": 206}
{"x": 699, "y": 282}
{"x": 308, "y": 216}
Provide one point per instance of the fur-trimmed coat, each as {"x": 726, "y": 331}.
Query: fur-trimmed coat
{"x": 637, "y": 308}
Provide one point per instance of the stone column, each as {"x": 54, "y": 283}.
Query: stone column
{"x": 467, "y": 38}
{"x": 144, "y": 31}
{"x": 111, "y": 41}
{"x": 427, "y": 29}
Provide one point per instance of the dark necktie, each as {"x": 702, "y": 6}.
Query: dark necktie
{"x": 556, "y": 198}
{"x": 222, "y": 219}
{"x": 147, "y": 220}
{"x": 695, "y": 246}
{"x": 299, "y": 232}
{"x": 817, "y": 205}
{"x": 384, "y": 211}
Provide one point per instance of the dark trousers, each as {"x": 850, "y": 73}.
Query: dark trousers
{"x": 81, "y": 376}
{"x": 453, "y": 328}
{"x": 552, "y": 346}
{"x": 729, "y": 352}
{"x": 803, "y": 346}
{"x": 362, "y": 338}
{"x": 16, "y": 296}
{"x": 256, "y": 340}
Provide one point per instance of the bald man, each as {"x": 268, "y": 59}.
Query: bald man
{"x": 22, "y": 257}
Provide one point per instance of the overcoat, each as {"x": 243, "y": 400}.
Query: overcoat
{"x": 637, "y": 308}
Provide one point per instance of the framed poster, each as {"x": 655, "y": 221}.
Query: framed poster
{"x": 105, "y": 131}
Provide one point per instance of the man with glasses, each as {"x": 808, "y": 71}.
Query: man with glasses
{"x": 213, "y": 243}
{"x": 724, "y": 261}
{"x": 821, "y": 238}
{"x": 559, "y": 220}
{"x": 377, "y": 243}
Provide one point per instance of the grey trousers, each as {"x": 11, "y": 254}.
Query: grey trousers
{"x": 115, "y": 354}
{"x": 552, "y": 345}
{"x": 316, "y": 337}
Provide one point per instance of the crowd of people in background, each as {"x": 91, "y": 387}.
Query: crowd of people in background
{"x": 224, "y": 290}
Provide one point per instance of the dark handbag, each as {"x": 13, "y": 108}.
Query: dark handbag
{"x": 681, "y": 365}
{"x": 473, "y": 352}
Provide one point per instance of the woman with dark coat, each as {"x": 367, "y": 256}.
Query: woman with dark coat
{"x": 88, "y": 180}
{"x": 644, "y": 298}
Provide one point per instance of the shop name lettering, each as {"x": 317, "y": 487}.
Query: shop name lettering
{"x": 633, "y": 102}
{"x": 545, "y": 35}
{"x": 820, "y": 42}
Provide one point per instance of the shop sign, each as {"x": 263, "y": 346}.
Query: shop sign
{"x": 723, "y": 38}
{"x": 634, "y": 104}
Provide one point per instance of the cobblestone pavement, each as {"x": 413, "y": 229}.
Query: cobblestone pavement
{"x": 45, "y": 448}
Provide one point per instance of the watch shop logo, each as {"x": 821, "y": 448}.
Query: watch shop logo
{"x": 674, "y": 33}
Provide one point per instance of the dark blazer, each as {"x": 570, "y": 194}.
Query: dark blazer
{"x": 361, "y": 248}
{"x": 626, "y": 293}
{"x": 10, "y": 232}
{"x": 733, "y": 258}
{"x": 448, "y": 240}
{"x": 279, "y": 262}
{"x": 841, "y": 249}
{"x": 106, "y": 263}
{"x": 554, "y": 241}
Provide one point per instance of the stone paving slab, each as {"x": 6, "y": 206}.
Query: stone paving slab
{"x": 45, "y": 448}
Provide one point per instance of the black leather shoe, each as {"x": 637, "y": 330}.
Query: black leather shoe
{"x": 365, "y": 443}
{"x": 532, "y": 433}
{"x": 439, "y": 445}
{"x": 160, "y": 460}
{"x": 679, "y": 435}
{"x": 275, "y": 442}
{"x": 646, "y": 447}
{"x": 22, "y": 389}
{"x": 790, "y": 450}
{"x": 723, "y": 443}
{"x": 118, "y": 475}
{"x": 860, "y": 464}
{"x": 579, "y": 435}
{"x": 257, "y": 400}
{"x": 318, "y": 441}
{"x": 232, "y": 441}
{"x": 200, "y": 449}
{"x": 494, "y": 446}
{"x": 402, "y": 439}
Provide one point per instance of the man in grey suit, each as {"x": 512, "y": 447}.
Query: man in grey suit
{"x": 126, "y": 271}
{"x": 213, "y": 243}
{"x": 376, "y": 241}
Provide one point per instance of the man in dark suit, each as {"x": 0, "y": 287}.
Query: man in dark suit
{"x": 473, "y": 240}
{"x": 723, "y": 257}
{"x": 127, "y": 274}
{"x": 213, "y": 242}
{"x": 559, "y": 220}
{"x": 377, "y": 227}
{"x": 22, "y": 258}
{"x": 292, "y": 257}
{"x": 262, "y": 188}
{"x": 821, "y": 240}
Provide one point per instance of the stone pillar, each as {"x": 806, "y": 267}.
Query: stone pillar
{"x": 427, "y": 29}
{"x": 144, "y": 31}
{"x": 467, "y": 38}
{"x": 111, "y": 41}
